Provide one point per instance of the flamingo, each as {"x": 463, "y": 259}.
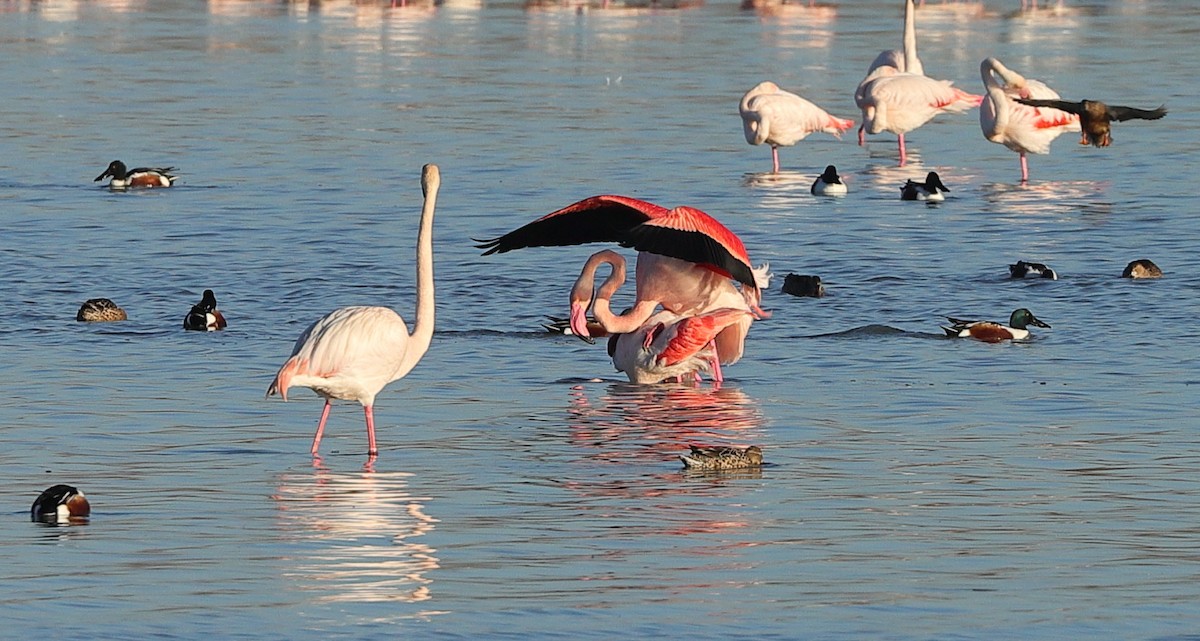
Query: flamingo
{"x": 900, "y": 101}
{"x": 897, "y": 60}
{"x": 685, "y": 263}
{"x": 352, "y": 353}
{"x": 672, "y": 346}
{"x": 1019, "y": 127}
{"x": 781, "y": 118}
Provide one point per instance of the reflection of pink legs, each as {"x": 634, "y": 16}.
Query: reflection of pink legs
{"x": 320, "y": 427}
{"x": 371, "y": 451}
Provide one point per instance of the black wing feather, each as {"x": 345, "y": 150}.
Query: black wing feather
{"x": 692, "y": 246}
{"x": 1129, "y": 113}
{"x": 1062, "y": 105}
{"x": 608, "y": 222}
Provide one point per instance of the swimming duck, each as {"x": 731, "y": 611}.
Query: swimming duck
{"x": 1095, "y": 117}
{"x": 828, "y": 183}
{"x": 123, "y": 178}
{"x": 560, "y": 325}
{"x": 100, "y": 310}
{"x": 1142, "y": 268}
{"x": 59, "y": 504}
{"x": 798, "y": 285}
{"x": 992, "y": 332}
{"x": 932, "y": 189}
{"x": 204, "y": 316}
{"x": 1022, "y": 269}
{"x": 722, "y": 458}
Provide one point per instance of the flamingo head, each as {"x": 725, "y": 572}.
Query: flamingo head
{"x": 579, "y": 318}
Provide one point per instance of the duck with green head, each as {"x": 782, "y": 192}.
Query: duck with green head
{"x": 993, "y": 332}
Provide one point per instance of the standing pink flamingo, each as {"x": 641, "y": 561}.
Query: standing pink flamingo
{"x": 1019, "y": 127}
{"x": 900, "y": 101}
{"x": 352, "y": 353}
{"x": 672, "y": 346}
{"x": 686, "y": 261}
{"x": 895, "y": 61}
{"x": 781, "y": 118}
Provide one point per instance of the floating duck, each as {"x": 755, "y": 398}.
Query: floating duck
{"x": 932, "y": 189}
{"x": 123, "y": 178}
{"x": 992, "y": 332}
{"x": 1142, "y": 268}
{"x": 560, "y": 325}
{"x": 60, "y": 504}
{"x": 205, "y": 317}
{"x": 1095, "y": 117}
{"x": 1022, "y": 269}
{"x": 828, "y": 183}
{"x": 100, "y": 310}
{"x": 722, "y": 458}
{"x": 809, "y": 286}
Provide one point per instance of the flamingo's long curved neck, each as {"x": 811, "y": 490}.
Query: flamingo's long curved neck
{"x": 422, "y": 333}
{"x": 582, "y": 296}
{"x": 912, "y": 64}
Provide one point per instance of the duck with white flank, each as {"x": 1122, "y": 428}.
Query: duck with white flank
{"x": 123, "y": 178}
{"x": 60, "y": 504}
{"x": 829, "y": 183}
{"x": 205, "y": 317}
{"x": 993, "y": 332}
{"x": 1023, "y": 269}
{"x": 931, "y": 190}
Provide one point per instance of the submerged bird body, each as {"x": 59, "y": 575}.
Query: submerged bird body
{"x": 1142, "y": 268}
{"x": 1095, "y": 117}
{"x": 722, "y": 458}
{"x": 100, "y": 310}
{"x": 828, "y": 183}
{"x": 123, "y": 177}
{"x": 993, "y": 332}
{"x": 931, "y": 190}
{"x": 803, "y": 285}
{"x": 1023, "y": 269}
{"x": 352, "y": 353}
{"x": 59, "y": 504}
{"x": 204, "y": 316}
{"x": 780, "y": 118}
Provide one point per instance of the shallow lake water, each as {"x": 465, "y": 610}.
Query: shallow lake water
{"x": 917, "y": 487}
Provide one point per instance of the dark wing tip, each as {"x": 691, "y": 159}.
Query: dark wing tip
{"x": 1129, "y": 113}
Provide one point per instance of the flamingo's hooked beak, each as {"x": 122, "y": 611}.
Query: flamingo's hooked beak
{"x": 579, "y": 319}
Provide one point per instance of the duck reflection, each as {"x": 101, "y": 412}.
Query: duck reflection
{"x": 356, "y": 536}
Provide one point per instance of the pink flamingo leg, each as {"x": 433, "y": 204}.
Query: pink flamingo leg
{"x": 1024, "y": 168}
{"x": 903, "y": 154}
{"x": 775, "y": 158}
{"x": 321, "y": 427}
{"x": 716, "y": 364}
{"x": 371, "y": 450}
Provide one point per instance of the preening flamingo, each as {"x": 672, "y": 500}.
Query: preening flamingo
{"x": 669, "y": 346}
{"x": 1095, "y": 117}
{"x": 780, "y": 118}
{"x": 352, "y": 353}
{"x": 686, "y": 261}
{"x": 900, "y": 101}
{"x": 896, "y": 60}
{"x": 1019, "y": 127}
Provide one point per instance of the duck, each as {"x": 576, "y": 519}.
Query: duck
{"x": 993, "y": 332}
{"x": 562, "y": 326}
{"x": 123, "y": 178}
{"x": 205, "y": 317}
{"x": 100, "y": 310}
{"x": 828, "y": 183}
{"x": 1142, "y": 268}
{"x": 1023, "y": 269}
{"x": 60, "y": 504}
{"x": 1095, "y": 117}
{"x": 805, "y": 286}
{"x": 931, "y": 190}
{"x": 722, "y": 457}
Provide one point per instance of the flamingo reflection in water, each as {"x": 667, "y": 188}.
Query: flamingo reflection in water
{"x": 356, "y": 537}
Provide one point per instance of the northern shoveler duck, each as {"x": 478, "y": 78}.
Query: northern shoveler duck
{"x": 205, "y": 317}
{"x": 59, "y": 504}
{"x": 123, "y": 177}
{"x": 722, "y": 458}
{"x": 1022, "y": 269}
{"x": 1095, "y": 117}
{"x": 828, "y": 183}
{"x": 1142, "y": 268}
{"x": 100, "y": 310}
{"x": 809, "y": 286}
{"x": 992, "y": 332}
{"x": 932, "y": 189}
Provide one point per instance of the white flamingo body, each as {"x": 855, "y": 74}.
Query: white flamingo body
{"x": 352, "y": 353}
{"x": 780, "y": 118}
{"x": 900, "y": 98}
{"x": 1019, "y": 127}
{"x": 670, "y": 346}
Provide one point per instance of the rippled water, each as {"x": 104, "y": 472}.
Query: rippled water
{"x": 918, "y": 487}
